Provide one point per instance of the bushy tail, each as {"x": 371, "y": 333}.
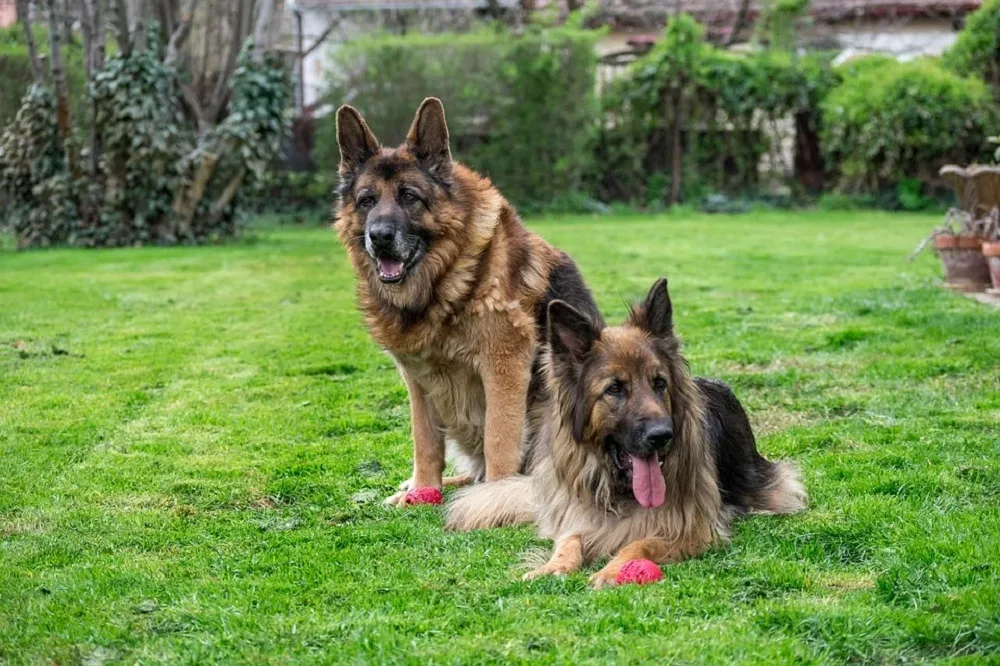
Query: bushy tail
{"x": 783, "y": 493}
{"x": 491, "y": 504}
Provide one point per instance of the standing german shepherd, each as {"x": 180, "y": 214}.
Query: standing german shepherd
{"x": 635, "y": 458}
{"x": 455, "y": 288}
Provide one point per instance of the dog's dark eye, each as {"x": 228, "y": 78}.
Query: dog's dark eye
{"x": 366, "y": 201}
{"x": 659, "y": 384}
{"x": 616, "y": 388}
{"x": 409, "y": 197}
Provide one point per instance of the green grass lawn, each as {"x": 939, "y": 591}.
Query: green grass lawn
{"x": 194, "y": 444}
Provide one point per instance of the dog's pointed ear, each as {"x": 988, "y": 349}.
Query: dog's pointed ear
{"x": 428, "y": 138}
{"x": 356, "y": 141}
{"x": 656, "y": 314}
{"x": 571, "y": 334}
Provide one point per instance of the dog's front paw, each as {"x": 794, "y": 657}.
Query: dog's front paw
{"x": 399, "y": 499}
{"x": 548, "y": 569}
{"x": 396, "y": 499}
{"x": 416, "y": 496}
{"x": 603, "y": 578}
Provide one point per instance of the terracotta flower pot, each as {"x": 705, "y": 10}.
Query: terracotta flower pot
{"x": 992, "y": 253}
{"x": 964, "y": 264}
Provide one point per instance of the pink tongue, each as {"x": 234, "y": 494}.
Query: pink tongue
{"x": 647, "y": 482}
{"x": 390, "y": 267}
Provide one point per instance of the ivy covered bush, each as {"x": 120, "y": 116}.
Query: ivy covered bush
{"x": 158, "y": 181}
{"x": 520, "y": 109}
{"x": 144, "y": 143}
{"x": 40, "y": 206}
{"x": 976, "y": 52}
{"x": 888, "y": 122}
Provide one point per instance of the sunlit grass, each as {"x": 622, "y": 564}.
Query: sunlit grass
{"x": 194, "y": 443}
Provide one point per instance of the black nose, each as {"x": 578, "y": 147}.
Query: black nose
{"x": 658, "y": 435}
{"x": 381, "y": 234}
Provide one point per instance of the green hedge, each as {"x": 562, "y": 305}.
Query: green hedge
{"x": 521, "y": 109}
{"x": 976, "y": 52}
{"x": 731, "y": 103}
{"x": 15, "y": 70}
{"x": 888, "y": 122}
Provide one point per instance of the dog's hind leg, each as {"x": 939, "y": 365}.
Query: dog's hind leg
{"x": 446, "y": 482}
{"x": 567, "y": 558}
{"x": 457, "y": 481}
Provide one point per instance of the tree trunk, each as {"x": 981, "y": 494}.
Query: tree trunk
{"x": 121, "y": 22}
{"x": 181, "y": 32}
{"x": 262, "y": 29}
{"x": 738, "y": 23}
{"x": 37, "y": 71}
{"x": 810, "y": 170}
{"x": 67, "y": 22}
{"x": 300, "y": 56}
{"x": 139, "y": 14}
{"x": 60, "y": 84}
{"x": 186, "y": 202}
{"x": 87, "y": 31}
{"x": 94, "y": 32}
{"x": 229, "y": 193}
{"x": 675, "y": 151}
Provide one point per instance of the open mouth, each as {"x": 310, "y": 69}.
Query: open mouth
{"x": 646, "y": 476}
{"x": 389, "y": 270}
{"x": 392, "y": 270}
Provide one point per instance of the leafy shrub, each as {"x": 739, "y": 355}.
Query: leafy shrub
{"x": 903, "y": 120}
{"x": 144, "y": 143}
{"x": 976, "y": 52}
{"x": 779, "y": 21}
{"x": 843, "y": 201}
{"x": 249, "y": 139}
{"x": 288, "y": 191}
{"x": 157, "y": 181}
{"x": 728, "y": 104}
{"x": 33, "y": 176}
{"x": 910, "y": 194}
{"x": 521, "y": 109}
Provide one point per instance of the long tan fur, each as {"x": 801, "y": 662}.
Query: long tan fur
{"x": 493, "y": 504}
{"x": 573, "y": 491}
{"x": 575, "y": 480}
{"x": 785, "y": 493}
{"x": 462, "y": 326}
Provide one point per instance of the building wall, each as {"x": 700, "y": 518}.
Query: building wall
{"x": 8, "y": 13}
{"x": 903, "y": 40}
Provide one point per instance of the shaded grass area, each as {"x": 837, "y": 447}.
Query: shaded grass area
{"x": 194, "y": 443}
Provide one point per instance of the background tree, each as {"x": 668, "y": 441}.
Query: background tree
{"x": 184, "y": 117}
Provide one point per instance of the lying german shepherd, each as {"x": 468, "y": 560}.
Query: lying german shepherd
{"x": 455, "y": 288}
{"x": 634, "y": 457}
